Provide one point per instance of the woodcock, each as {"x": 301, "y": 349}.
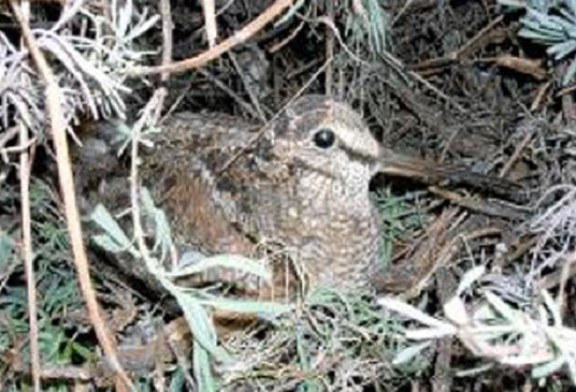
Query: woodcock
{"x": 301, "y": 182}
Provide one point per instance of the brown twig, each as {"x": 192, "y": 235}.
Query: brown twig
{"x": 478, "y": 205}
{"x": 336, "y": 34}
{"x": 436, "y": 64}
{"x": 248, "y": 88}
{"x": 541, "y": 93}
{"x": 167, "y": 25}
{"x": 239, "y": 37}
{"x": 276, "y": 47}
{"x": 515, "y": 155}
{"x": 477, "y": 37}
{"x": 58, "y": 127}
{"x": 329, "y": 50}
{"x": 241, "y": 102}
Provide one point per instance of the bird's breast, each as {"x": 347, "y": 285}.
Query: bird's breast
{"x": 335, "y": 241}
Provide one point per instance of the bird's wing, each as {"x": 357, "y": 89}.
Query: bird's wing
{"x": 215, "y": 176}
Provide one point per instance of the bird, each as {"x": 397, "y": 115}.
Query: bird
{"x": 300, "y": 184}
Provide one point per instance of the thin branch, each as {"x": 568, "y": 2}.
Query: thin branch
{"x": 264, "y": 127}
{"x": 239, "y": 37}
{"x": 27, "y": 257}
{"x": 248, "y": 87}
{"x": 58, "y": 127}
{"x": 222, "y": 86}
{"x": 329, "y": 50}
{"x": 167, "y": 26}
{"x": 167, "y": 37}
{"x": 24, "y": 170}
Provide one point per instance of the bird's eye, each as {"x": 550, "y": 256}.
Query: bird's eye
{"x": 324, "y": 138}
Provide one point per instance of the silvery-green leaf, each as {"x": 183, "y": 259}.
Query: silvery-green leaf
{"x": 231, "y": 261}
{"x": 106, "y": 221}
{"x": 6, "y": 248}
{"x": 163, "y": 233}
{"x": 431, "y": 333}
{"x": 125, "y": 14}
{"x": 247, "y": 306}
{"x": 199, "y": 322}
{"x": 562, "y": 23}
{"x": 191, "y": 257}
{"x": 410, "y": 311}
{"x": 569, "y": 75}
{"x": 475, "y": 370}
{"x": 546, "y": 21}
{"x": 535, "y": 37}
{"x": 203, "y": 368}
{"x": 548, "y": 368}
{"x": 106, "y": 242}
{"x": 501, "y": 307}
{"x": 517, "y": 4}
{"x": 571, "y": 6}
{"x": 570, "y": 17}
{"x": 410, "y": 352}
{"x": 142, "y": 28}
{"x": 560, "y": 50}
{"x": 469, "y": 278}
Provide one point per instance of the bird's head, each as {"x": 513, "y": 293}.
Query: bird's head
{"x": 327, "y": 139}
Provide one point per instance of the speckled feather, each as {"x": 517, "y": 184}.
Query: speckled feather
{"x": 224, "y": 181}
{"x": 227, "y": 185}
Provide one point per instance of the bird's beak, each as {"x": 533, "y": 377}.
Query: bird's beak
{"x": 432, "y": 173}
{"x": 395, "y": 164}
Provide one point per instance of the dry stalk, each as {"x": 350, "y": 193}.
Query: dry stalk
{"x": 24, "y": 140}
{"x": 58, "y": 127}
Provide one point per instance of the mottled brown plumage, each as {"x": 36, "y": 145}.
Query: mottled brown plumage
{"x": 301, "y": 181}
{"x": 224, "y": 181}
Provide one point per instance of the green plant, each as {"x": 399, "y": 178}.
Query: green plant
{"x": 399, "y": 220}
{"x": 56, "y": 287}
{"x": 551, "y": 24}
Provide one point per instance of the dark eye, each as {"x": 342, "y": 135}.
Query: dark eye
{"x": 324, "y": 138}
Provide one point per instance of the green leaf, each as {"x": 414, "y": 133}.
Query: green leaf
{"x": 570, "y": 13}
{"x": 501, "y": 307}
{"x": 203, "y": 369}
{"x": 562, "y": 49}
{"x": 116, "y": 238}
{"x": 517, "y": 4}
{"x": 163, "y": 233}
{"x": 6, "y": 248}
{"x": 410, "y": 352}
{"x": 569, "y": 75}
{"x": 231, "y": 261}
{"x": 199, "y": 322}
{"x": 107, "y": 243}
{"x": 548, "y": 368}
{"x": 536, "y": 37}
{"x": 246, "y": 306}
